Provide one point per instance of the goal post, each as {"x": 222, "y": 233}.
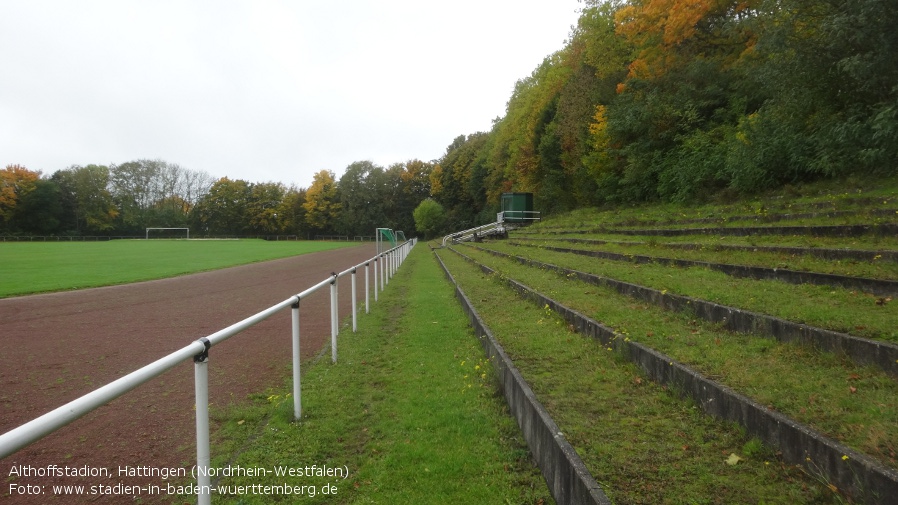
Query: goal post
{"x": 151, "y": 229}
{"x": 385, "y": 236}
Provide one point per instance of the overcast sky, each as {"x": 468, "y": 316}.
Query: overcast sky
{"x": 261, "y": 90}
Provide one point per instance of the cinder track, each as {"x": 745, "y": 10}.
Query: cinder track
{"x": 57, "y": 347}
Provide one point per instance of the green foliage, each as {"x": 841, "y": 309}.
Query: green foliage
{"x": 430, "y": 218}
{"x": 361, "y": 199}
{"x": 221, "y": 211}
{"x": 39, "y": 209}
{"x": 263, "y": 206}
{"x": 459, "y": 181}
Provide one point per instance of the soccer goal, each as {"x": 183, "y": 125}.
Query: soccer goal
{"x": 168, "y": 233}
{"x": 386, "y": 240}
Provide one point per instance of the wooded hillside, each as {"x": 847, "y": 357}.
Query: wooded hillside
{"x": 676, "y": 100}
{"x": 649, "y": 100}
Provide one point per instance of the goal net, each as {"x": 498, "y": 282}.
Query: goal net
{"x": 385, "y": 239}
{"x": 168, "y": 233}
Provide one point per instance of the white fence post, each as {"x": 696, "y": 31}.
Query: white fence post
{"x": 334, "y": 319}
{"x": 297, "y": 389}
{"x": 203, "y": 458}
{"x": 353, "y": 301}
{"x": 366, "y": 287}
{"x": 337, "y": 303}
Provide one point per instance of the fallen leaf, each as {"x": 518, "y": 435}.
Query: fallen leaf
{"x": 852, "y": 389}
{"x": 733, "y": 459}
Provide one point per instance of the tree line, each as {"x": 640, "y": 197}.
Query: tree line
{"x": 680, "y": 100}
{"x": 125, "y": 199}
{"x": 648, "y": 100}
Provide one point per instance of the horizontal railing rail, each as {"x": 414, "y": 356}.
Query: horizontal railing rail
{"x": 518, "y": 216}
{"x": 505, "y": 220}
{"x": 34, "y": 430}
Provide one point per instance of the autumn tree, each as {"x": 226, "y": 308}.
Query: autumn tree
{"x": 16, "y": 181}
{"x": 263, "y": 208}
{"x": 322, "y": 203}
{"x": 292, "y": 214}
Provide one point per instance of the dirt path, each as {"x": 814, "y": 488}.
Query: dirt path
{"x": 57, "y": 347}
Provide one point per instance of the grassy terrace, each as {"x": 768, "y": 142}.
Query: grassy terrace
{"x": 410, "y": 408}
{"x": 865, "y": 197}
{"x": 641, "y": 443}
{"x": 856, "y": 405}
{"x": 853, "y": 268}
{"x": 823, "y": 306}
{"x": 869, "y": 243}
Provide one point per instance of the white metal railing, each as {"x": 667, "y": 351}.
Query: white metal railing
{"x": 42, "y": 426}
{"x": 505, "y": 220}
{"x": 464, "y": 235}
{"x": 518, "y": 216}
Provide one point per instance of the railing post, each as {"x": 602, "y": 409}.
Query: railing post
{"x": 375, "y": 278}
{"x": 353, "y": 300}
{"x": 366, "y": 288}
{"x": 297, "y": 389}
{"x": 337, "y": 303}
{"x": 203, "y": 458}
{"x": 334, "y": 319}
{"x": 383, "y": 269}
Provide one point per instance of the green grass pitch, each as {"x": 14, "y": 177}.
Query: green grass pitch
{"x": 38, "y": 267}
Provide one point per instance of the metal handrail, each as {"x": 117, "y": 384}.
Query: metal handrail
{"x": 504, "y": 221}
{"x": 30, "y": 432}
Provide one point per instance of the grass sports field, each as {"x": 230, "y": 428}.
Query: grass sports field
{"x": 38, "y": 267}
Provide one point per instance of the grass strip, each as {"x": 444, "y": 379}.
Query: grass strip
{"x": 411, "y": 409}
{"x": 870, "y": 243}
{"x": 855, "y": 405}
{"x": 864, "y": 195}
{"x": 837, "y": 309}
{"x": 640, "y": 441}
{"x": 887, "y": 270}
{"x": 886, "y": 289}
{"x": 37, "y": 267}
{"x": 883, "y": 355}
